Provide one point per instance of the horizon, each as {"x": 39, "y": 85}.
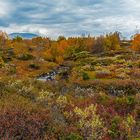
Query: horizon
{"x": 24, "y": 35}
{"x": 70, "y": 18}
{"x": 29, "y": 35}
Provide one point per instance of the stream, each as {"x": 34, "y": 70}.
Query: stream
{"x": 51, "y": 76}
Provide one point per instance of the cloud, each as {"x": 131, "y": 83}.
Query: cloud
{"x": 4, "y": 9}
{"x": 70, "y": 18}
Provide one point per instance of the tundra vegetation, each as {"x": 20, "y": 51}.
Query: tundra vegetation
{"x": 92, "y": 89}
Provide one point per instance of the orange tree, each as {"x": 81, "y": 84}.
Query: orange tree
{"x": 136, "y": 43}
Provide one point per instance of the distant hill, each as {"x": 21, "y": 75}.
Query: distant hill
{"x": 23, "y": 35}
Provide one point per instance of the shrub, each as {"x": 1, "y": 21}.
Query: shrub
{"x": 12, "y": 70}
{"x": 62, "y": 101}
{"x": 6, "y": 59}
{"x": 74, "y": 136}
{"x": 20, "y": 118}
{"x": 85, "y": 76}
{"x": 34, "y": 66}
{"x": 17, "y": 124}
{"x": 45, "y": 96}
{"x": 129, "y": 124}
{"x": 89, "y": 122}
{"x": 82, "y": 54}
{"x": 26, "y": 57}
{"x": 114, "y": 129}
{"x": 1, "y": 62}
{"x": 105, "y": 61}
{"x": 130, "y": 64}
{"x": 130, "y": 100}
{"x": 125, "y": 105}
{"x": 120, "y": 61}
{"x": 103, "y": 74}
{"x": 120, "y": 89}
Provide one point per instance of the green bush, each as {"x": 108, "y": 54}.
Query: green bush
{"x": 74, "y": 136}
{"x": 12, "y": 70}
{"x": 26, "y": 57}
{"x": 34, "y": 66}
{"x": 114, "y": 129}
{"x": 85, "y": 76}
{"x": 7, "y": 59}
{"x": 82, "y": 54}
{"x": 130, "y": 100}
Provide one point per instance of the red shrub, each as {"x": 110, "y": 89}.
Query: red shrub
{"x": 17, "y": 124}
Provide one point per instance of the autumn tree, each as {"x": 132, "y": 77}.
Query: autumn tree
{"x": 41, "y": 42}
{"x": 98, "y": 45}
{"x": 17, "y": 39}
{"x": 90, "y": 41}
{"x": 19, "y": 47}
{"x": 136, "y": 43}
{"x": 51, "y": 53}
{"x": 60, "y": 38}
{"x": 112, "y": 41}
{"x": 62, "y": 46}
{"x": 108, "y": 42}
{"x": 70, "y": 51}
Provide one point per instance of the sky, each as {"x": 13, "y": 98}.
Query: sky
{"x": 70, "y": 17}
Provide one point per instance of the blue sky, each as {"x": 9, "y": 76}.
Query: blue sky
{"x": 70, "y": 17}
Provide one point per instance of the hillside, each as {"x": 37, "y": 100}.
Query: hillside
{"x": 77, "y": 88}
{"x": 23, "y": 35}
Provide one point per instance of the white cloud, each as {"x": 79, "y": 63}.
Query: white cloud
{"x": 4, "y": 8}
{"x": 43, "y": 30}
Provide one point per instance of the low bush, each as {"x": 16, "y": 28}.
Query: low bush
{"x": 73, "y": 136}
{"x": 114, "y": 129}
{"x": 34, "y": 66}
{"x": 17, "y": 124}
{"x": 26, "y": 57}
{"x": 85, "y": 76}
{"x": 103, "y": 74}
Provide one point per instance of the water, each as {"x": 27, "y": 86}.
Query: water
{"x": 51, "y": 76}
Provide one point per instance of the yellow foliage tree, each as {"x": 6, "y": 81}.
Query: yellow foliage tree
{"x": 136, "y": 43}
{"x": 59, "y": 59}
